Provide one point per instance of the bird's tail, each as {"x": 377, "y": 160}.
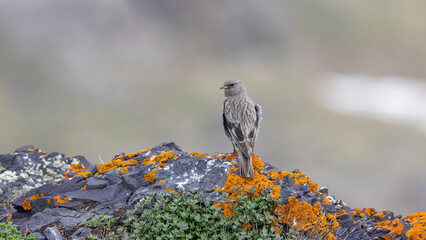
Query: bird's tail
{"x": 246, "y": 166}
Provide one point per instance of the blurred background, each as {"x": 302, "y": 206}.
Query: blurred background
{"x": 342, "y": 84}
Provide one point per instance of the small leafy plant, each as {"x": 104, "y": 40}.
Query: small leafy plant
{"x": 10, "y": 232}
{"x": 188, "y": 216}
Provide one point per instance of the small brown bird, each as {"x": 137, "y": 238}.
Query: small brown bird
{"x": 241, "y": 119}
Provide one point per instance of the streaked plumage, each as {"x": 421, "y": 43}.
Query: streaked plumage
{"x": 241, "y": 119}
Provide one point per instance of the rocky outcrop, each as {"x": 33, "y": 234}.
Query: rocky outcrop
{"x": 58, "y": 193}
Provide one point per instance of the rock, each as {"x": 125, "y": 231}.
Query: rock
{"x": 24, "y": 148}
{"x": 52, "y": 233}
{"x": 94, "y": 183}
{"x": 38, "y": 236}
{"x": 80, "y": 234}
{"x": 47, "y": 196}
{"x": 106, "y": 194}
{"x": 39, "y": 220}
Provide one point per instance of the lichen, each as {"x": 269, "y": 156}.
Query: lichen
{"x": 84, "y": 174}
{"x": 123, "y": 170}
{"x": 395, "y": 227}
{"x": 151, "y": 176}
{"x": 304, "y": 217}
{"x": 418, "y": 222}
{"x": 158, "y": 160}
{"x": 26, "y": 205}
{"x": 59, "y": 200}
{"x": 117, "y": 162}
{"x": 34, "y": 197}
{"x": 8, "y": 176}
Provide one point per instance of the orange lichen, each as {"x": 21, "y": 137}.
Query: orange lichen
{"x": 9, "y": 218}
{"x": 27, "y": 231}
{"x": 84, "y": 174}
{"x": 162, "y": 181}
{"x": 48, "y": 200}
{"x": 326, "y": 201}
{"x": 418, "y": 222}
{"x": 76, "y": 167}
{"x": 84, "y": 187}
{"x": 31, "y": 150}
{"x": 151, "y": 176}
{"x": 26, "y": 205}
{"x": 231, "y": 156}
{"x": 307, "y": 217}
{"x": 219, "y": 189}
{"x": 34, "y": 197}
{"x": 59, "y": 200}
{"x": 257, "y": 163}
{"x": 168, "y": 190}
{"x": 159, "y": 159}
{"x": 123, "y": 170}
{"x": 340, "y": 213}
{"x": 395, "y": 227}
{"x": 235, "y": 181}
{"x": 102, "y": 168}
{"x": 304, "y": 217}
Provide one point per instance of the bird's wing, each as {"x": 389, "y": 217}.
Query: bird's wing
{"x": 235, "y": 131}
{"x": 226, "y": 123}
{"x": 253, "y": 133}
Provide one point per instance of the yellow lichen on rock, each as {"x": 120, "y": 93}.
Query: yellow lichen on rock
{"x": 151, "y": 176}
{"x": 418, "y": 221}
{"x": 59, "y": 200}
{"x": 117, "y": 162}
{"x": 302, "y": 216}
{"x": 395, "y": 227}
{"x": 84, "y": 174}
{"x": 26, "y": 205}
{"x": 34, "y": 197}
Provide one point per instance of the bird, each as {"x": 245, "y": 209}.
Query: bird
{"x": 241, "y": 118}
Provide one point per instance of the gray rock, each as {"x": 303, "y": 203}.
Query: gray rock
{"x": 52, "y": 233}
{"x": 39, "y": 220}
{"x": 96, "y": 195}
{"x": 213, "y": 179}
{"x": 135, "y": 179}
{"x": 38, "y": 236}
{"x": 113, "y": 178}
{"x": 80, "y": 234}
{"x": 6, "y": 160}
{"x": 95, "y": 183}
{"x": 24, "y": 148}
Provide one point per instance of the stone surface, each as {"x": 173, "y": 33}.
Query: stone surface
{"x": 81, "y": 233}
{"x": 41, "y": 192}
{"x": 52, "y": 233}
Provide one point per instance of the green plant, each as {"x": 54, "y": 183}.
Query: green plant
{"x": 104, "y": 226}
{"x": 10, "y": 232}
{"x": 188, "y": 216}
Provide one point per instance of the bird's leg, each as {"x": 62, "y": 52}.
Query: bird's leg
{"x": 235, "y": 149}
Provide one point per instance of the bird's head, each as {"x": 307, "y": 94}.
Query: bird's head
{"x": 233, "y": 87}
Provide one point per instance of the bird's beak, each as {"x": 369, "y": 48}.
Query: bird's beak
{"x": 224, "y": 87}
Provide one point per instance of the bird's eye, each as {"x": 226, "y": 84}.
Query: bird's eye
{"x": 231, "y": 84}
